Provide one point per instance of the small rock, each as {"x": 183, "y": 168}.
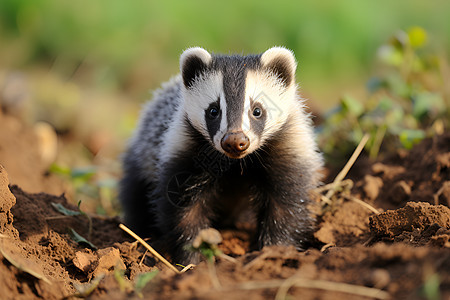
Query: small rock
{"x": 380, "y": 278}
{"x": 372, "y": 186}
{"x": 387, "y": 171}
{"x": 210, "y": 236}
{"x": 85, "y": 261}
{"x": 442, "y": 240}
{"x": 47, "y": 142}
{"x": 400, "y": 192}
{"x": 109, "y": 258}
{"x": 443, "y": 195}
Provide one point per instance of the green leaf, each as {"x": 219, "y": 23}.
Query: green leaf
{"x": 391, "y": 55}
{"x": 353, "y": 106}
{"x": 417, "y": 37}
{"x": 80, "y": 240}
{"x": 83, "y": 174}
{"x": 107, "y": 183}
{"x": 426, "y": 103}
{"x": 119, "y": 276}
{"x": 410, "y": 137}
{"x": 60, "y": 170}
{"x": 431, "y": 287}
{"x": 374, "y": 84}
{"x": 385, "y": 103}
{"x": 397, "y": 85}
{"x": 143, "y": 279}
{"x": 65, "y": 211}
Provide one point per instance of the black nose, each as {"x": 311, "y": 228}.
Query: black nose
{"x": 235, "y": 142}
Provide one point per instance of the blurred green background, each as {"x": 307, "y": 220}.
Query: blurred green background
{"x": 87, "y": 66}
{"x": 132, "y": 46}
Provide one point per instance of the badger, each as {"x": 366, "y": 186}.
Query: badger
{"x": 229, "y": 133}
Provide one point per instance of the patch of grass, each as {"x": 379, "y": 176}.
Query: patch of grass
{"x": 87, "y": 186}
{"x": 407, "y": 103}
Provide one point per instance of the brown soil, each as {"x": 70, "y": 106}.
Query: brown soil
{"x": 401, "y": 253}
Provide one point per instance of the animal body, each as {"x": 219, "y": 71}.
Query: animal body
{"x": 229, "y": 132}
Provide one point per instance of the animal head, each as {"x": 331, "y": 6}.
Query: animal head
{"x": 238, "y": 102}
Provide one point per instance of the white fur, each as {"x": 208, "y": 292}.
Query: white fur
{"x": 217, "y": 139}
{"x": 264, "y": 87}
{"x": 283, "y": 105}
{"x": 176, "y": 139}
{"x": 195, "y": 101}
{"x": 275, "y": 52}
{"x": 195, "y": 51}
{"x": 207, "y": 89}
{"x": 279, "y": 102}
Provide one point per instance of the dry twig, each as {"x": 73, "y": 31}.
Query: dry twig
{"x": 188, "y": 267}
{"x": 347, "y": 166}
{"x": 366, "y": 205}
{"x": 329, "y": 286}
{"x": 149, "y": 248}
{"x": 285, "y": 285}
{"x": 339, "y": 183}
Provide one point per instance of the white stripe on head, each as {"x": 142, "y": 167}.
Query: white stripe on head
{"x": 245, "y": 126}
{"x": 266, "y": 89}
{"x": 208, "y": 88}
{"x": 217, "y": 139}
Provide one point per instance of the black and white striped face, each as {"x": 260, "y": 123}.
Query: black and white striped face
{"x": 238, "y": 102}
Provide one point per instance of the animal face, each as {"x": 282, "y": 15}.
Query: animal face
{"x": 238, "y": 102}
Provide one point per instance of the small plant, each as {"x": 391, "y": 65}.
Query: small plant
{"x": 87, "y": 186}
{"x": 408, "y": 103}
{"x": 142, "y": 280}
{"x": 73, "y": 234}
{"x": 206, "y": 243}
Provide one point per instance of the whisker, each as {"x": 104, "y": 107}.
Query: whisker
{"x": 260, "y": 159}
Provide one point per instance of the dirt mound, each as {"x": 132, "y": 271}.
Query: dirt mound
{"x": 39, "y": 257}
{"x": 402, "y": 253}
{"x": 421, "y": 175}
{"x": 414, "y": 216}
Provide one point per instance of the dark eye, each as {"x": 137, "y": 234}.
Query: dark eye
{"x": 257, "y": 112}
{"x": 213, "y": 112}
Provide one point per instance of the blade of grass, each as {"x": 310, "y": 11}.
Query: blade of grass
{"x": 65, "y": 211}
{"x": 80, "y": 239}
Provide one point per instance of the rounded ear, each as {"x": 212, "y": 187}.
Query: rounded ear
{"x": 281, "y": 62}
{"x": 193, "y": 62}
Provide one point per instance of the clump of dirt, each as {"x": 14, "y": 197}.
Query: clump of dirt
{"x": 414, "y": 216}
{"x": 392, "y": 254}
{"x": 38, "y": 258}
